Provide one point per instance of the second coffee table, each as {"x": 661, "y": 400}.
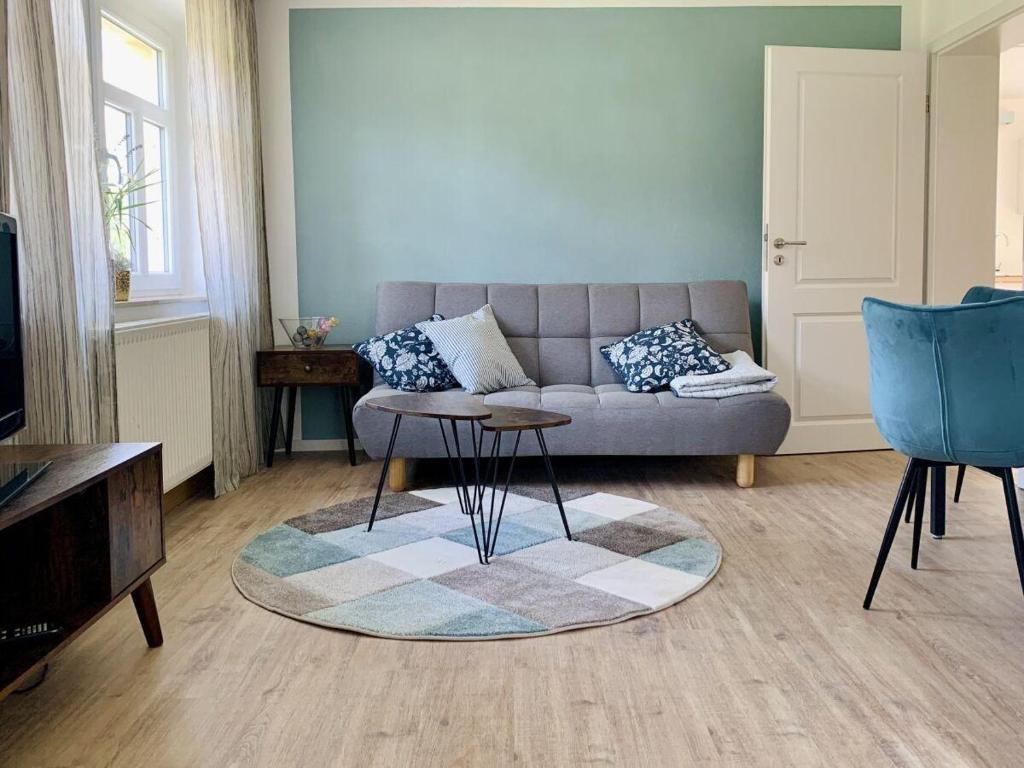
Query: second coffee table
{"x": 504, "y": 419}
{"x": 495, "y": 419}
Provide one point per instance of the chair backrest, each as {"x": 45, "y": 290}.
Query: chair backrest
{"x": 980, "y": 294}
{"x": 556, "y": 330}
{"x": 947, "y": 383}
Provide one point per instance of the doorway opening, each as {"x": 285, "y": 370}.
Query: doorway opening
{"x": 1009, "y": 235}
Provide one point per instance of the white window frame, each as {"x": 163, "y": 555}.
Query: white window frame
{"x": 141, "y": 111}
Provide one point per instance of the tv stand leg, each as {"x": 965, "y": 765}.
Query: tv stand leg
{"x": 145, "y": 606}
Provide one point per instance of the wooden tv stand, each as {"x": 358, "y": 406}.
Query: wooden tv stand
{"x": 85, "y": 535}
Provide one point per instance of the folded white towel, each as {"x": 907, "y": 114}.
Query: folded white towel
{"x": 744, "y": 377}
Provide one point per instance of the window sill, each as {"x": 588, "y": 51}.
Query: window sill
{"x": 158, "y": 307}
{"x": 145, "y": 301}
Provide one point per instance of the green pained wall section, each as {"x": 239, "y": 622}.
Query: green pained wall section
{"x": 533, "y": 145}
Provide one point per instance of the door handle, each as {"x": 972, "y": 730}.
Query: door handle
{"x": 781, "y": 242}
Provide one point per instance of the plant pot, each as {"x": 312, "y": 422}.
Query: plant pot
{"x": 122, "y": 284}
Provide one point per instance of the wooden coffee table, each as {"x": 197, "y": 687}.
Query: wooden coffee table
{"x": 495, "y": 419}
{"x": 512, "y": 419}
{"x": 443, "y": 408}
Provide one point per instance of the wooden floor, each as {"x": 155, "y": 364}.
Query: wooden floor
{"x": 774, "y": 663}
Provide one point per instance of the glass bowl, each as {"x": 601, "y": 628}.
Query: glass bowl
{"x": 307, "y": 332}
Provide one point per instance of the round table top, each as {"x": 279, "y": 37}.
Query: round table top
{"x": 434, "y": 405}
{"x": 507, "y": 418}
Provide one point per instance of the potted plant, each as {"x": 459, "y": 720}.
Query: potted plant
{"x": 122, "y": 194}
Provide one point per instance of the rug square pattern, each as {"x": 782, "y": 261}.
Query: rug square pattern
{"x": 409, "y": 609}
{"x": 510, "y": 537}
{"x": 350, "y": 580}
{"x": 642, "y": 582}
{"x": 386, "y": 534}
{"x": 284, "y": 550}
{"x": 696, "y": 556}
{"x": 350, "y": 513}
{"x": 429, "y": 557}
{"x": 513, "y": 502}
{"x": 487, "y": 622}
{"x": 418, "y": 574}
{"x": 542, "y": 597}
{"x": 436, "y": 520}
{"x": 546, "y": 518}
{"x": 611, "y": 506}
{"x": 275, "y": 593}
{"x": 568, "y": 559}
{"x": 669, "y": 521}
{"x": 627, "y": 539}
{"x": 546, "y": 494}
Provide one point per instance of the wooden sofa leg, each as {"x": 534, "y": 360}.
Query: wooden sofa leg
{"x": 398, "y": 475}
{"x": 745, "y": 470}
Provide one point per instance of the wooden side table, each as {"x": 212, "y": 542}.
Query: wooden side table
{"x": 330, "y": 365}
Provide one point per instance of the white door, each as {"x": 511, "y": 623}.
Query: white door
{"x": 844, "y": 193}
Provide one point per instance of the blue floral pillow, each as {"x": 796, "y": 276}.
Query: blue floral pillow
{"x": 649, "y": 359}
{"x": 407, "y": 360}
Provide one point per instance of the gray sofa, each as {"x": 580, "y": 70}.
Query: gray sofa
{"x": 556, "y": 332}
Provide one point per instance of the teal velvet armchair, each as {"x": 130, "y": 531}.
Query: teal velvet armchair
{"x": 978, "y": 295}
{"x": 947, "y": 385}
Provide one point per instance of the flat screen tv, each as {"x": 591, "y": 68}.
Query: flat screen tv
{"x": 15, "y": 475}
{"x": 12, "y": 374}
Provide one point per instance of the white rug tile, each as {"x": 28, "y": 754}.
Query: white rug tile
{"x": 611, "y": 506}
{"x": 440, "y": 495}
{"x": 642, "y": 582}
{"x": 437, "y": 520}
{"x": 428, "y": 558}
{"x": 350, "y": 580}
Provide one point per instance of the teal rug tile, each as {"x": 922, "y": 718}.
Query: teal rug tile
{"x": 546, "y": 518}
{"x": 284, "y": 550}
{"x": 405, "y": 610}
{"x": 487, "y": 622}
{"x": 386, "y": 534}
{"x": 696, "y": 556}
{"x": 511, "y": 536}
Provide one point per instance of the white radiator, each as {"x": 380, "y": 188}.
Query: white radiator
{"x": 163, "y": 391}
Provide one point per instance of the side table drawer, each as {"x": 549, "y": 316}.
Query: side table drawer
{"x": 294, "y": 368}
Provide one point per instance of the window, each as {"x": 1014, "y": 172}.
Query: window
{"x": 138, "y": 136}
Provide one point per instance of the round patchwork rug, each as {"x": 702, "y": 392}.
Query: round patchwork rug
{"x": 417, "y": 575}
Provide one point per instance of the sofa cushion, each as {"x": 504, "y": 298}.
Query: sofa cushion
{"x": 475, "y": 349}
{"x": 649, "y": 359}
{"x": 406, "y": 360}
{"x": 607, "y": 419}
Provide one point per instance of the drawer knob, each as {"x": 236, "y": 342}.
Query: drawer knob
{"x": 307, "y": 368}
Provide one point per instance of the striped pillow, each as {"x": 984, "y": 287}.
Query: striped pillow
{"x": 475, "y": 350}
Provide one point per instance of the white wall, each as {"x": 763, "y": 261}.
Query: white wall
{"x": 962, "y": 175}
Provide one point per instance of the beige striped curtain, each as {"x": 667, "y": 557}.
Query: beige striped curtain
{"x": 229, "y": 182}
{"x": 67, "y": 309}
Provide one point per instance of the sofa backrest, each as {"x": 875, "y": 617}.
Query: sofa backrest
{"x": 557, "y": 330}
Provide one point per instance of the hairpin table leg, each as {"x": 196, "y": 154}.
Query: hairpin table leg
{"x": 384, "y": 470}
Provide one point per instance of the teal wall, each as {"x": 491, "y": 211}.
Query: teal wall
{"x": 533, "y": 145}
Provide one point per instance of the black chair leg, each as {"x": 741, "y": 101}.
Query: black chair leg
{"x": 960, "y": 471}
{"x": 894, "y": 523}
{"x": 920, "y": 487}
{"x": 1013, "y": 511}
{"x": 910, "y": 500}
